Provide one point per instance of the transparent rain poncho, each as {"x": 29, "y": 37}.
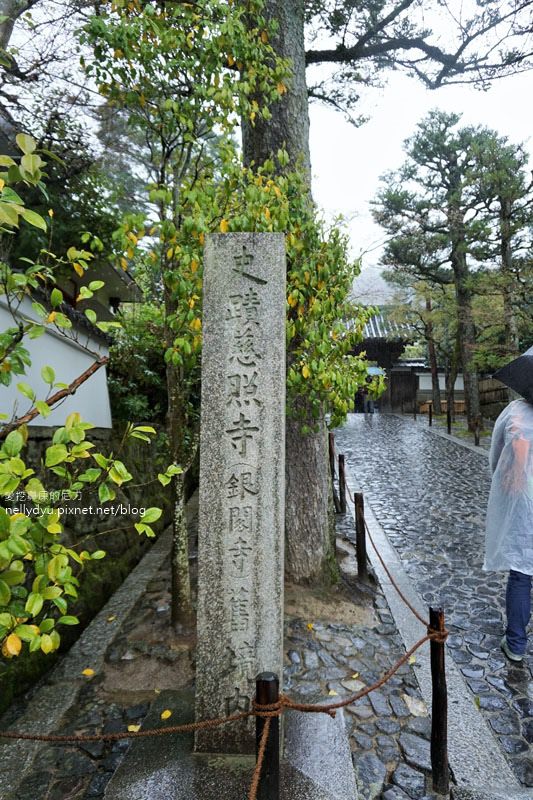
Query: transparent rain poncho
{"x": 509, "y": 530}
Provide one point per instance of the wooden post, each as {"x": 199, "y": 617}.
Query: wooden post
{"x": 342, "y": 484}
{"x": 336, "y": 501}
{"x": 331, "y": 442}
{"x": 430, "y": 413}
{"x": 266, "y": 693}
{"x": 439, "y": 708}
{"x": 360, "y": 535}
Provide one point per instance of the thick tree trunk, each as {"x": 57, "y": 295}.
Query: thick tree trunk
{"x": 306, "y": 517}
{"x": 289, "y": 125}
{"x": 432, "y": 356}
{"x": 512, "y": 342}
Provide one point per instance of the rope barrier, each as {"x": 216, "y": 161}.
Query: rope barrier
{"x": 264, "y": 711}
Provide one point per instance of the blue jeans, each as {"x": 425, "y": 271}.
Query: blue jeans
{"x": 518, "y": 608}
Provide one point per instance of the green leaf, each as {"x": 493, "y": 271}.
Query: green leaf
{"x": 151, "y": 515}
{"x": 55, "y": 455}
{"x": 104, "y": 493}
{"x": 91, "y": 316}
{"x": 34, "y": 604}
{"x": 48, "y": 375}
{"x": 26, "y": 632}
{"x": 56, "y": 297}
{"x": 5, "y": 593}
{"x": 98, "y": 554}
{"x": 13, "y": 444}
{"x": 35, "y": 489}
{"x": 69, "y": 620}
{"x": 26, "y": 143}
{"x": 43, "y": 408}
{"x": 26, "y": 390}
{"x": 47, "y": 625}
{"x": 34, "y": 219}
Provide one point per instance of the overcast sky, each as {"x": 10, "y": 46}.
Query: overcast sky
{"x": 347, "y": 161}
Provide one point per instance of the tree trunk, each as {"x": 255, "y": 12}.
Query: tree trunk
{"x": 465, "y": 321}
{"x": 181, "y": 610}
{"x": 512, "y": 343}
{"x": 307, "y": 489}
{"x": 181, "y": 602}
{"x": 432, "y": 356}
{"x": 289, "y": 125}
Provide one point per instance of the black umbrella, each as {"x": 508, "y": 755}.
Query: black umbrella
{"x": 518, "y": 375}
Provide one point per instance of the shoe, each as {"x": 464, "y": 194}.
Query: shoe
{"x": 509, "y": 653}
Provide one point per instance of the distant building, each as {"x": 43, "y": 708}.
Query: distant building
{"x": 70, "y": 355}
{"x": 408, "y": 381}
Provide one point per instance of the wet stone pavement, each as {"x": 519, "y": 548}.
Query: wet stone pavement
{"x": 388, "y": 730}
{"x": 429, "y": 494}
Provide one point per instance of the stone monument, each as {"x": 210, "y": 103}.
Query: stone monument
{"x": 242, "y": 477}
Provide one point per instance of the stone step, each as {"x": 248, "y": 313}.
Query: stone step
{"x": 317, "y": 764}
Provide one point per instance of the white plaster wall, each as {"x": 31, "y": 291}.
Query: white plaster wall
{"x": 424, "y": 382}
{"x": 69, "y": 360}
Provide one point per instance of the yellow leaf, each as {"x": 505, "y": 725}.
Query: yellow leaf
{"x": 166, "y": 714}
{"x": 112, "y": 618}
{"x": 157, "y": 691}
{"x": 231, "y": 61}
{"x": 78, "y": 269}
{"x": 88, "y": 672}
{"x": 264, "y": 37}
{"x": 170, "y": 253}
{"x": 134, "y": 728}
{"x": 51, "y": 317}
{"x": 292, "y": 301}
{"x": 192, "y": 302}
{"x": 124, "y": 263}
{"x": 252, "y": 117}
{"x": 281, "y": 88}
{"x": 267, "y": 213}
{"x": 201, "y": 239}
{"x": 118, "y": 54}
{"x": 196, "y": 324}
{"x": 306, "y": 371}
{"x": 2, "y": 184}
{"x": 412, "y": 660}
{"x": 50, "y": 212}
{"x": 310, "y": 626}
{"x": 194, "y": 265}
{"x": 12, "y": 646}
{"x": 224, "y": 226}
{"x": 333, "y": 693}
{"x": 355, "y": 675}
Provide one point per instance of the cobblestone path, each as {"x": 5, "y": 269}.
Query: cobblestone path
{"x": 429, "y": 494}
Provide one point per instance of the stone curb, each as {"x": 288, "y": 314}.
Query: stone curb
{"x": 61, "y": 687}
{"x": 473, "y": 751}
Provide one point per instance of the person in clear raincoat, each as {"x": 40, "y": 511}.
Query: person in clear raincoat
{"x": 509, "y": 527}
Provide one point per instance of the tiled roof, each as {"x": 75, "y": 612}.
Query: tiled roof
{"x": 381, "y": 327}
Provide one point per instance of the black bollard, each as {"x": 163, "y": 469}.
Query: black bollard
{"x": 439, "y": 708}
{"x": 266, "y": 693}
{"x": 342, "y": 484}
{"x": 430, "y": 413}
{"x": 360, "y": 535}
{"x": 449, "y": 419}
